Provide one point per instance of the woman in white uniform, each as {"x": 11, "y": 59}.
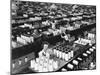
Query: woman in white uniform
{"x": 44, "y": 51}
{"x": 65, "y": 36}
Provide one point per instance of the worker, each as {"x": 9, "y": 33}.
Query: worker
{"x": 65, "y": 36}
{"x": 44, "y": 51}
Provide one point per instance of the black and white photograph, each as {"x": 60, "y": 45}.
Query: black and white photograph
{"x": 48, "y": 37}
